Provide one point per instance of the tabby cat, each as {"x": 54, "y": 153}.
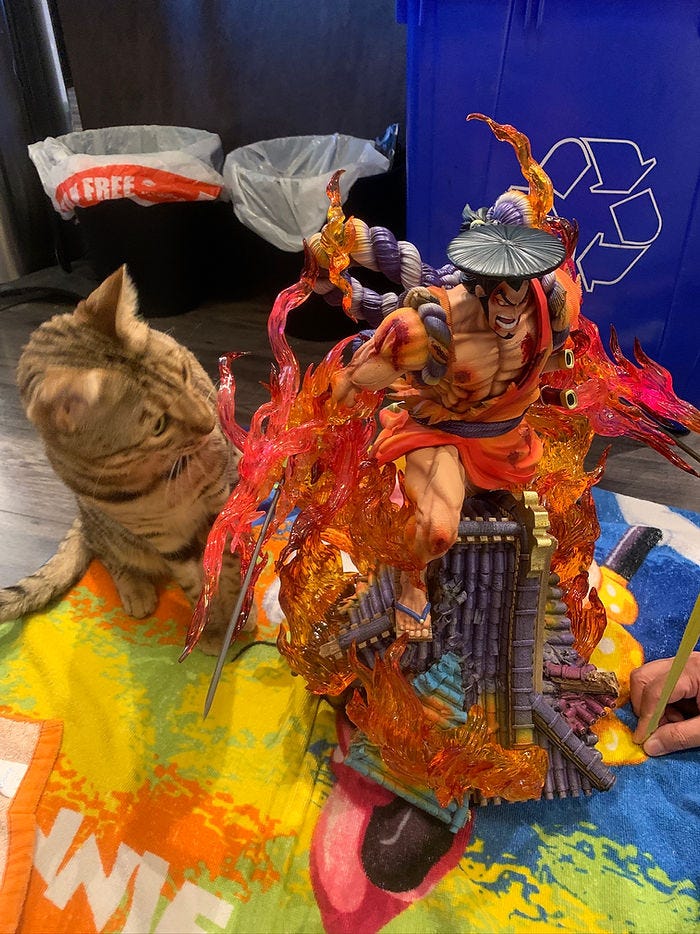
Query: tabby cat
{"x": 128, "y": 419}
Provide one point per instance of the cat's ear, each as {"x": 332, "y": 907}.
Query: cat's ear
{"x": 112, "y": 308}
{"x": 65, "y": 398}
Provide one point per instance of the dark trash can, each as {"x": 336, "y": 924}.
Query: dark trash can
{"x": 278, "y": 196}
{"x": 176, "y": 253}
{"x": 150, "y": 197}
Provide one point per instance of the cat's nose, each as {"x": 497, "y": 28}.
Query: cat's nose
{"x": 205, "y": 424}
{"x": 199, "y": 416}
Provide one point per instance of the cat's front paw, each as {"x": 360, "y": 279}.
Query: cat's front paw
{"x": 210, "y": 642}
{"x": 252, "y": 621}
{"x": 212, "y": 638}
{"x": 139, "y": 597}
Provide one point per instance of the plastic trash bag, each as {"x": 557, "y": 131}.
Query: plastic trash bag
{"x": 146, "y": 164}
{"x": 278, "y": 186}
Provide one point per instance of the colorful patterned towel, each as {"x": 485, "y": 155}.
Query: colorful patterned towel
{"x": 28, "y": 750}
{"x": 155, "y": 820}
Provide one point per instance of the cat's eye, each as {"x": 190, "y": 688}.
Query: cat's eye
{"x": 160, "y": 425}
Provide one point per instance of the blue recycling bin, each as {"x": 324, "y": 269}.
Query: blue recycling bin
{"x": 609, "y": 94}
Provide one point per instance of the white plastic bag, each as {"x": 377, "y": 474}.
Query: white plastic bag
{"x": 147, "y": 164}
{"x": 278, "y": 186}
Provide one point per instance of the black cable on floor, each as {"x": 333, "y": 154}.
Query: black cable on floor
{"x": 250, "y": 646}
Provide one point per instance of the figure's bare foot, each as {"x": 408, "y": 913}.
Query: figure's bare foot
{"x": 412, "y": 614}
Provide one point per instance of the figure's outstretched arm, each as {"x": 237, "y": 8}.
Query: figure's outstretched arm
{"x": 399, "y": 344}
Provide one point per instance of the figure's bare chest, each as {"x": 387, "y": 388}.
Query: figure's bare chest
{"x": 484, "y": 363}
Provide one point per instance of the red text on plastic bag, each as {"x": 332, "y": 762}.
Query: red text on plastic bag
{"x": 140, "y": 183}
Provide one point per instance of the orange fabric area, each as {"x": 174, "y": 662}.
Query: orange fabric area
{"x": 32, "y": 744}
{"x": 508, "y": 460}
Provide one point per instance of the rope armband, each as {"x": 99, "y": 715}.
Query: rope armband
{"x": 434, "y": 319}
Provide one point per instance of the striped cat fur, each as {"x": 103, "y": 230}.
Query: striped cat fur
{"x": 128, "y": 419}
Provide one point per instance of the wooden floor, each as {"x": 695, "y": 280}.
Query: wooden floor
{"x": 35, "y": 507}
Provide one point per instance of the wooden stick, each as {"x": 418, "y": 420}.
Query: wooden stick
{"x": 688, "y": 643}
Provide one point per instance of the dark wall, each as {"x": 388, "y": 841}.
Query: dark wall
{"x": 32, "y": 105}
{"x": 245, "y": 69}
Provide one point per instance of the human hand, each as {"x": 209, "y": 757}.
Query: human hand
{"x": 679, "y": 727}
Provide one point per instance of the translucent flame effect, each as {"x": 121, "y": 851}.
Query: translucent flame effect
{"x": 267, "y": 447}
{"x": 540, "y": 195}
{"x": 564, "y": 488}
{"x": 620, "y": 398}
{"x": 451, "y": 762}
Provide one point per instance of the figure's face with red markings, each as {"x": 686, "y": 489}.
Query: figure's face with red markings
{"x": 506, "y": 306}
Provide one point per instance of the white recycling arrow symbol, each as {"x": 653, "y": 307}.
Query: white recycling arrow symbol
{"x": 617, "y": 162}
{"x": 613, "y": 167}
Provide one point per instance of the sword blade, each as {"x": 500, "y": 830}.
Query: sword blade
{"x": 216, "y": 677}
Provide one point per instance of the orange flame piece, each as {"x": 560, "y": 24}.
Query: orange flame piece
{"x": 338, "y": 241}
{"x": 564, "y": 488}
{"x": 541, "y": 194}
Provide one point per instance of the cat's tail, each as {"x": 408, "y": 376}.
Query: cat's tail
{"x": 52, "y": 579}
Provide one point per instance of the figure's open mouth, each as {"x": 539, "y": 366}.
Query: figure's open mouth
{"x": 506, "y": 323}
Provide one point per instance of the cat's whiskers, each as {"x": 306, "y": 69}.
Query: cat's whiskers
{"x": 177, "y": 468}
{"x": 97, "y": 480}
{"x": 181, "y": 466}
{"x": 174, "y": 475}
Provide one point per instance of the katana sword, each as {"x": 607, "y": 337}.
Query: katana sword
{"x": 274, "y": 496}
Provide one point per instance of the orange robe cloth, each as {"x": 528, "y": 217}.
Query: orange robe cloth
{"x": 508, "y": 460}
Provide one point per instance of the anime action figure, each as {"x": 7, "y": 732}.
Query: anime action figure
{"x": 488, "y": 693}
{"x": 465, "y": 365}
